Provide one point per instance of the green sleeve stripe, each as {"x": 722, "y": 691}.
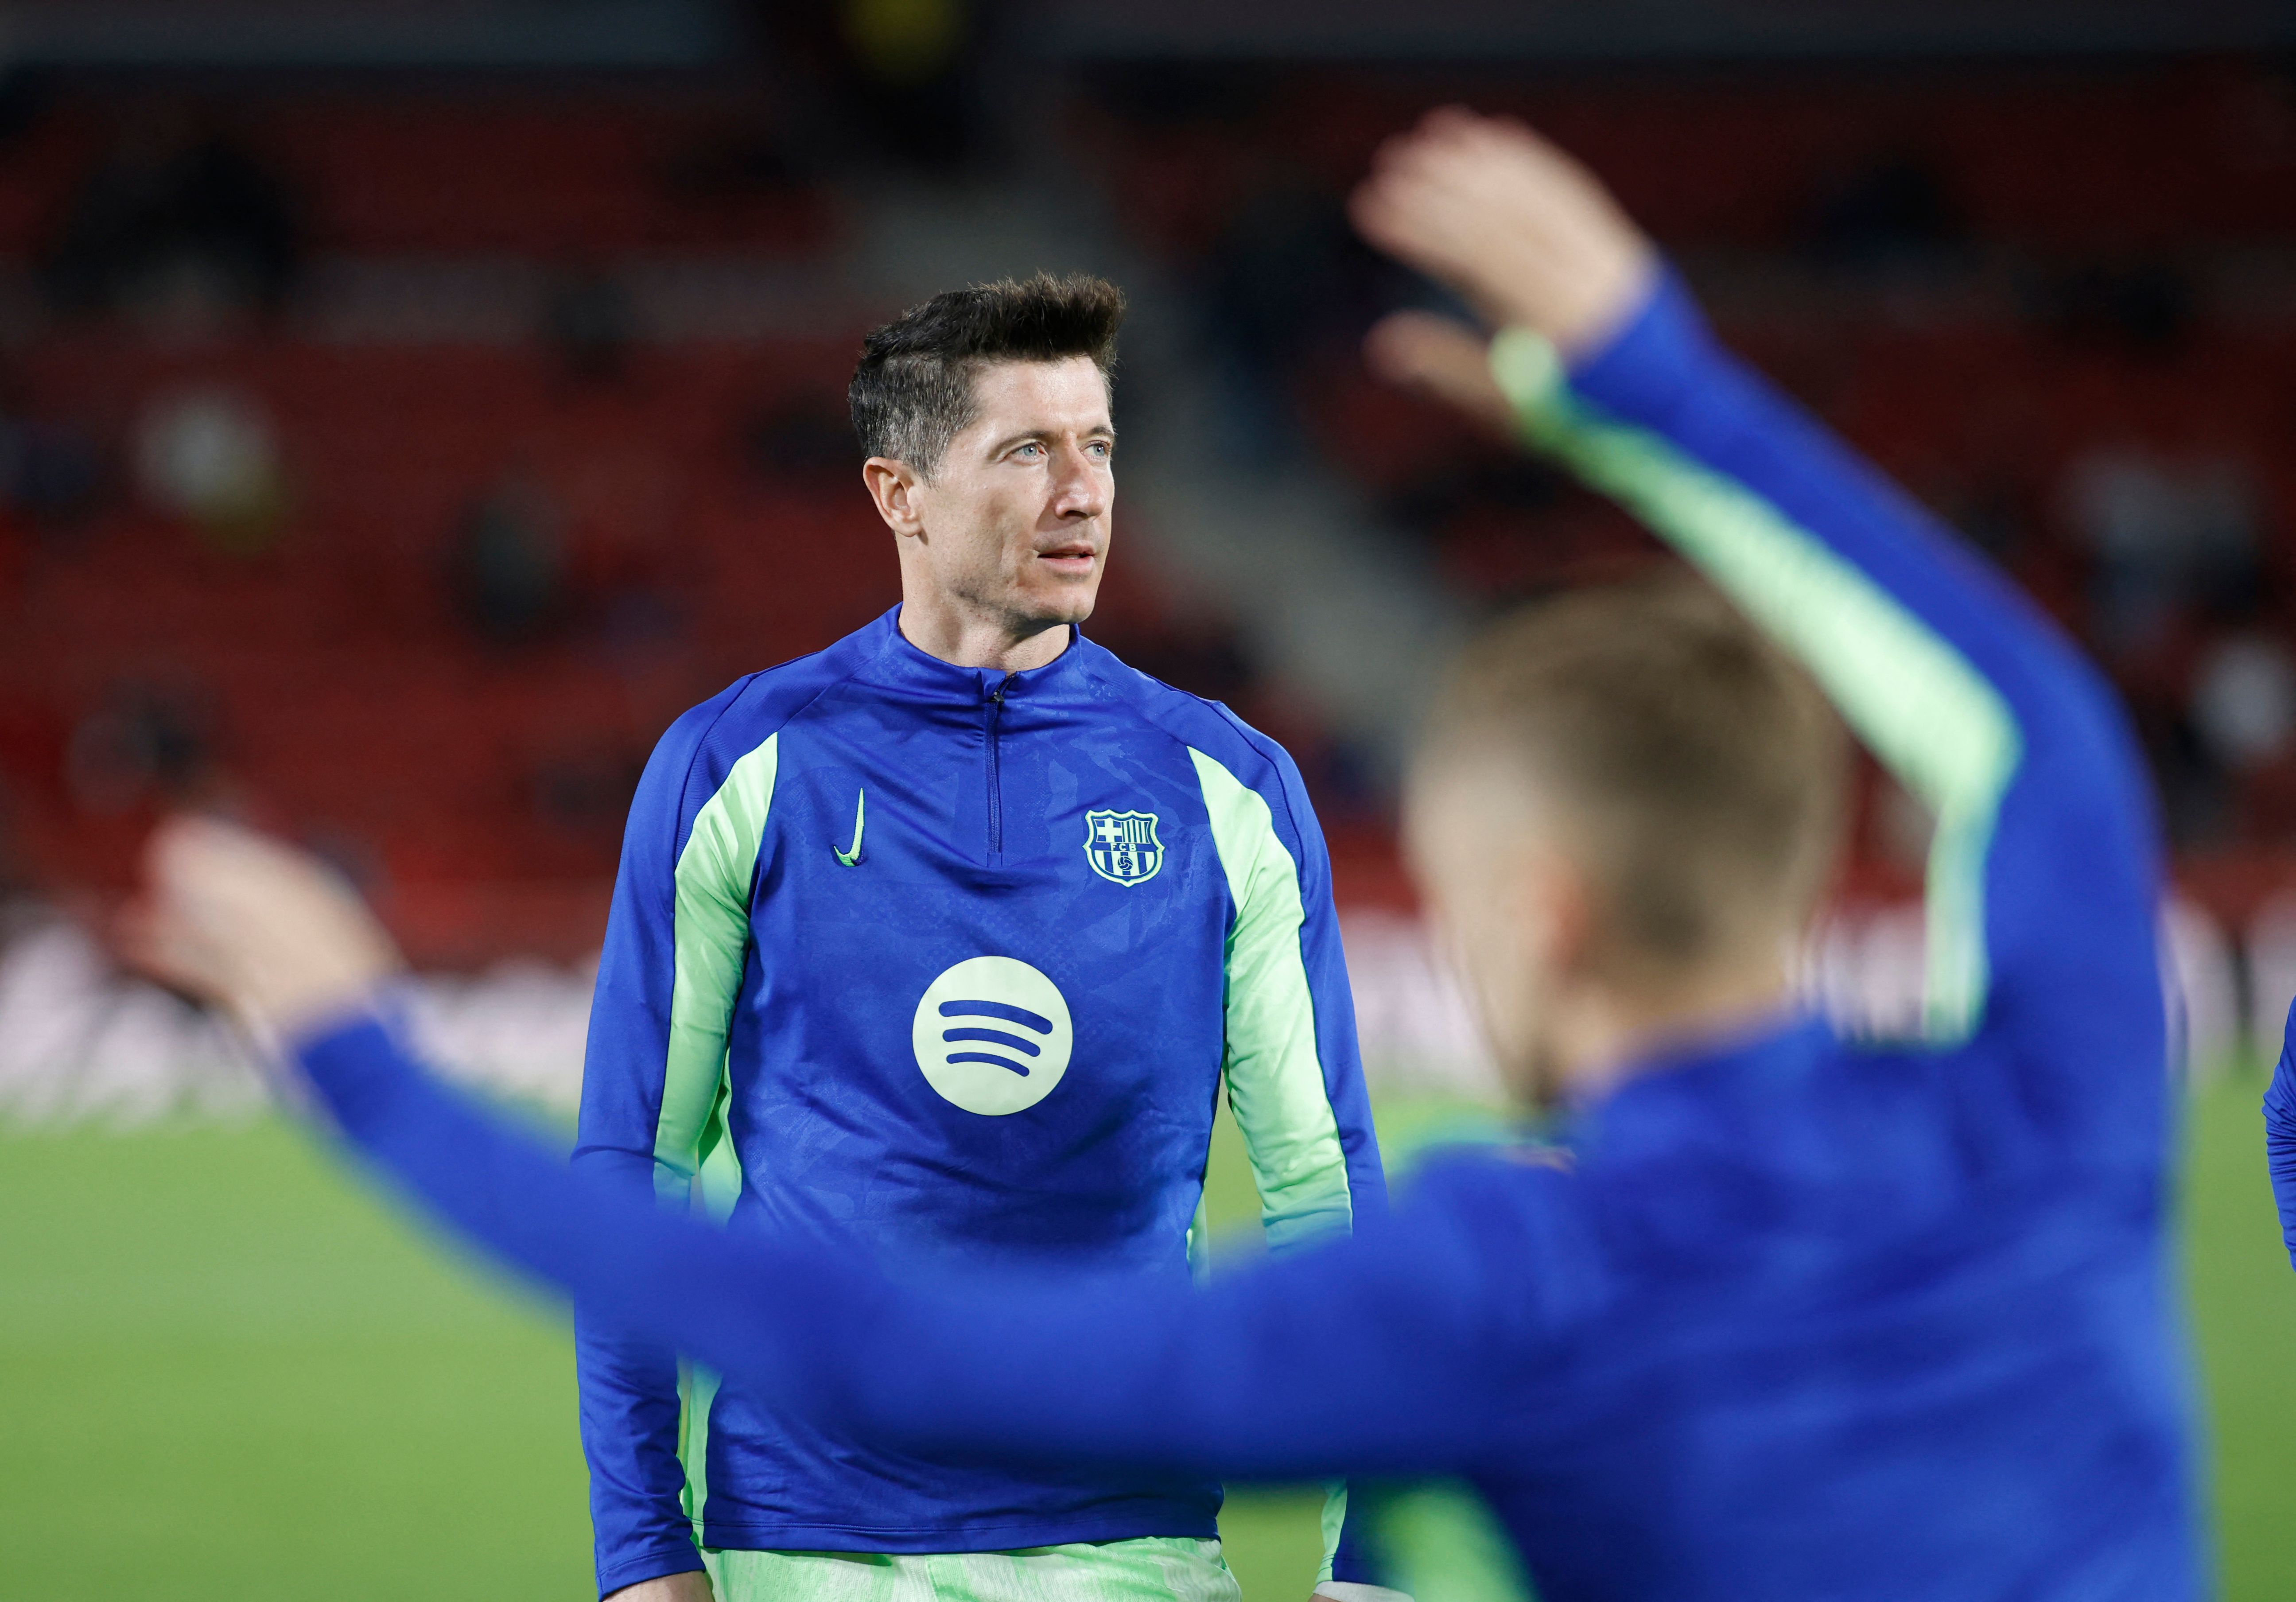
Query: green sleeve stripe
{"x": 712, "y": 925}
{"x": 1275, "y": 1075}
{"x": 1438, "y": 1539}
{"x": 697, "y": 1394}
{"x": 1334, "y": 1526}
{"x": 1920, "y": 706}
{"x": 716, "y": 1189}
{"x": 693, "y": 1161}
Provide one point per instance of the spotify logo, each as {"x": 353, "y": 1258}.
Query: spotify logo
{"x": 993, "y": 1036}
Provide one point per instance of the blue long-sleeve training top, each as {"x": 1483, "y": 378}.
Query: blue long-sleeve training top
{"x": 1786, "y": 1317}
{"x": 953, "y": 963}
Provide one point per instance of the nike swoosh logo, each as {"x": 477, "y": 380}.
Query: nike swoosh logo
{"x": 860, "y": 819}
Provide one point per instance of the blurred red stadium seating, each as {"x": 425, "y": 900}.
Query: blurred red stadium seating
{"x": 474, "y": 171}
{"x": 347, "y": 700}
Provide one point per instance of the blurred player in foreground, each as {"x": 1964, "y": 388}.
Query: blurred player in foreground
{"x": 1780, "y": 1316}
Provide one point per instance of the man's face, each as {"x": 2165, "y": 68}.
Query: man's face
{"x": 1502, "y": 903}
{"x": 1015, "y": 523}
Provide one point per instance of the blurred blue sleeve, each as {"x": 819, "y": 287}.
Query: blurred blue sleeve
{"x": 1238, "y": 1378}
{"x": 2280, "y": 1134}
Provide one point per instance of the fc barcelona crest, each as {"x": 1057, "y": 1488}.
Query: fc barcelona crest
{"x": 1122, "y": 847}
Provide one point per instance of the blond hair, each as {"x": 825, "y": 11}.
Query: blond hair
{"x": 1701, "y": 770}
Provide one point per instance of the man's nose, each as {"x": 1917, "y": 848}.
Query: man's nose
{"x": 1081, "y": 490}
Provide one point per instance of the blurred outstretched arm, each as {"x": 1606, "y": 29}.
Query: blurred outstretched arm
{"x": 1239, "y": 1379}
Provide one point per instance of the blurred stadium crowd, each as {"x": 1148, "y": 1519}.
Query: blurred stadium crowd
{"x": 390, "y": 460}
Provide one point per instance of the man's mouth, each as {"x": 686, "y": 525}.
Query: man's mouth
{"x": 1077, "y": 556}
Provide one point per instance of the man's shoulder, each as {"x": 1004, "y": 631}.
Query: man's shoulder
{"x": 1190, "y": 720}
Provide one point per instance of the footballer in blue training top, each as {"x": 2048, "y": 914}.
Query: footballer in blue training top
{"x": 1778, "y": 1315}
{"x": 949, "y": 938}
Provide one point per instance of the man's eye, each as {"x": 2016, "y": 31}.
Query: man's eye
{"x": 1101, "y": 449}
{"x": 1030, "y": 453}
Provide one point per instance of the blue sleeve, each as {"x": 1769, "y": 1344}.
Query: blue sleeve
{"x": 1333, "y": 1057}
{"x": 2280, "y": 1134}
{"x": 629, "y": 1393}
{"x": 1326, "y": 962}
{"x": 1341, "y": 1056}
{"x": 2043, "y": 873}
{"x": 1240, "y": 1378}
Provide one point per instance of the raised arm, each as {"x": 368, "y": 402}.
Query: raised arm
{"x": 2042, "y": 874}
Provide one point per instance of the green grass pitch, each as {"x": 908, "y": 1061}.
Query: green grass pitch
{"x": 226, "y": 1372}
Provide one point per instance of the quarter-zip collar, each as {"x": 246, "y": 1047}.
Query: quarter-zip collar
{"x": 989, "y": 710}
{"x": 900, "y": 666}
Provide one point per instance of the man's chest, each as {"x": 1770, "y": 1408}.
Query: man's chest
{"x": 1036, "y": 825}
{"x": 1034, "y": 927}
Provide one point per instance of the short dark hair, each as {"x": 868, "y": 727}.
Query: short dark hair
{"x": 1704, "y": 769}
{"x": 911, "y": 392}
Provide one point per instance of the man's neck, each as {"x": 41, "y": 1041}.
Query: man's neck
{"x": 972, "y": 642}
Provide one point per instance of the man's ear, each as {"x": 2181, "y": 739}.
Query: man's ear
{"x": 1558, "y": 910}
{"x": 894, "y": 488}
